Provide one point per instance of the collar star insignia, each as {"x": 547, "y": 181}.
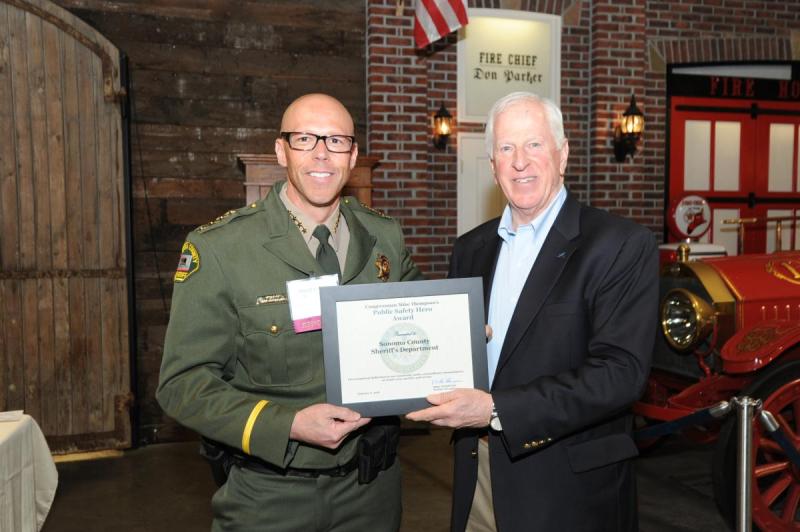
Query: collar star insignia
{"x": 382, "y": 263}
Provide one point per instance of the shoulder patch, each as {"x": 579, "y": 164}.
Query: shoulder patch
{"x": 188, "y": 263}
{"x": 227, "y": 217}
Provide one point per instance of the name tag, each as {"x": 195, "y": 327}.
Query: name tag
{"x": 304, "y": 304}
{"x": 271, "y": 299}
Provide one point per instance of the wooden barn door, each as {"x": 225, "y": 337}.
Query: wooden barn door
{"x": 64, "y": 330}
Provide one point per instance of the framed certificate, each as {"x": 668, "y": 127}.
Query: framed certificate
{"x": 388, "y": 346}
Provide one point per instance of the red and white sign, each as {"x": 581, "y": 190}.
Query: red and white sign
{"x": 690, "y": 217}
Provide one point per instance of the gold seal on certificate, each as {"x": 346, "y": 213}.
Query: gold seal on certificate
{"x": 405, "y": 348}
{"x": 388, "y": 346}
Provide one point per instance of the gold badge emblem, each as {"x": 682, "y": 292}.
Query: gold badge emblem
{"x": 756, "y": 339}
{"x": 188, "y": 263}
{"x": 383, "y": 268}
{"x": 787, "y": 270}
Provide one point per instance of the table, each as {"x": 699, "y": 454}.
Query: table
{"x": 28, "y": 476}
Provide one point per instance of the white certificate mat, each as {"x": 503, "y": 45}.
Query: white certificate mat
{"x": 388, "y": 346}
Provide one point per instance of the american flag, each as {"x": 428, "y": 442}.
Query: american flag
{"x": 434, "y": 19}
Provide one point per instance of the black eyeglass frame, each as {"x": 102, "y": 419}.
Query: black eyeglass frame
{"x": 324, "y": 138}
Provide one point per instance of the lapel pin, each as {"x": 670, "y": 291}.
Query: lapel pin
{"x": 561, "y": 255}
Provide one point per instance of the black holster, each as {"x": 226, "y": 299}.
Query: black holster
{"x": 377, "y": 448}
{"x": 219, "y": 457}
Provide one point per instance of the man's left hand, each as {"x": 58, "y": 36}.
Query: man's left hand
{"x": 458, "y": 408}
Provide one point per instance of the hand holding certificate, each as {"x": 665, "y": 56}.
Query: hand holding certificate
{"x": 388, "y": 346}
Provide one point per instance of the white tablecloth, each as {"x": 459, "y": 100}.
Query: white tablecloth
{"x": 28, "y": 476}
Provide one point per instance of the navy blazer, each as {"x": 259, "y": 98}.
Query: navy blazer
{"x": 575, "y": 357}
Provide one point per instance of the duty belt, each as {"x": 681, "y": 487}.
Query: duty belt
{"x": 265, "y": 467}
{"x": 376, "y": 451}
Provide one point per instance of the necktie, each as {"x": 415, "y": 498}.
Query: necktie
{"x": 326, "y": 256}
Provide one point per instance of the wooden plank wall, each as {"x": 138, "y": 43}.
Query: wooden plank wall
{"x": 64, "y": 354}
{"x": 210, "y": 80}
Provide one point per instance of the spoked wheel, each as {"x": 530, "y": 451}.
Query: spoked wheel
{"x": 775, "y": 479}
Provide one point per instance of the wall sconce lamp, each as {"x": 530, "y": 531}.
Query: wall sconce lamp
{"x": 628, "y": 132}
{"x": 442, "y": 127}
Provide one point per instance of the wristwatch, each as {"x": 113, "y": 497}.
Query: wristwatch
{"x": 494, "y": 420}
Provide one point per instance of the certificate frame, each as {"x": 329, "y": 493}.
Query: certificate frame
{"x": 472, "y": 287}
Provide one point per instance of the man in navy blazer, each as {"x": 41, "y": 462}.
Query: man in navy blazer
{"x": 572, "y": 296}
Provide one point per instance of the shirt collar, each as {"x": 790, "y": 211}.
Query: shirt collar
{"x": 304, "y": 222}
{"x": 544, "y": 220}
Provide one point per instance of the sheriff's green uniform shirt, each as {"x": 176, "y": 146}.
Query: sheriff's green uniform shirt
{"x": 233, "y": 368}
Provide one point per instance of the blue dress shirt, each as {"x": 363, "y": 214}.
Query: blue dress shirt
{"x": 518, "y": 252}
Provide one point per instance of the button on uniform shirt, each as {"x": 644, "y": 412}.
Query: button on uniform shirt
{"x": 518, "y": 252}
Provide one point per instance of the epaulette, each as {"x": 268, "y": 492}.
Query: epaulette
{"x": 367, "y": 208}
{"x": 227, "y": 217}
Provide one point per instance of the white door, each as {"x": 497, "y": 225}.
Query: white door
{"x": 479, "y": 198}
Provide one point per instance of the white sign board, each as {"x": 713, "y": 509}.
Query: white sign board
{"x": 502, "y": 51}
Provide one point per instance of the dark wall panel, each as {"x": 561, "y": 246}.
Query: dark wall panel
{"x": 210, "y": 80}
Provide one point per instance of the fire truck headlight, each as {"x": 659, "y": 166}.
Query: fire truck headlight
{"x": 686, "y": 319}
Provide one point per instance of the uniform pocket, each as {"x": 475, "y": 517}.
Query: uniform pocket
{"x": 268, "y": 337}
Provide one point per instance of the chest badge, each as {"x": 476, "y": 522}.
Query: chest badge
{"x": 382, "y": 263}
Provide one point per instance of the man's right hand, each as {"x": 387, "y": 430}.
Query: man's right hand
{"x": 325, "y": 425}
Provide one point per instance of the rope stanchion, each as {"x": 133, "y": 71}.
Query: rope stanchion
{"x": 701, "y": 417}
{"x": 746, "y": 409}
{"x": 776, "y": 432}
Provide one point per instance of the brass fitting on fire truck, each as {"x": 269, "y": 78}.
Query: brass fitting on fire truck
{"x": 683, "y": 253}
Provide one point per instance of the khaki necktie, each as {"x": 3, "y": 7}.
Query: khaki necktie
{"x": 326, "y": 256}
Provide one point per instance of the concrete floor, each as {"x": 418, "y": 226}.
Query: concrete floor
{"x": 167, "y": 487}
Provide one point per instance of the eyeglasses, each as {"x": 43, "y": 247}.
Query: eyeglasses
{"x": 308, "y": 141}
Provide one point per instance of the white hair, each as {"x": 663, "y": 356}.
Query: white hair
{"x": 551, "y": 111}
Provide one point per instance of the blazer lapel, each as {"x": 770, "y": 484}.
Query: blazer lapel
{"x": 282, "y": 240}
{"x": 485, "y": 264}
{"x": 359, "y": 250}
{"x": 561, "y": 242}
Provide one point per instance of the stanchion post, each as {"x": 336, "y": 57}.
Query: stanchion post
{"x": 745, "y": 410}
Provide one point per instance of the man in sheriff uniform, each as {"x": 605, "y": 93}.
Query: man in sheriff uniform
{"x": 235, "y": 370}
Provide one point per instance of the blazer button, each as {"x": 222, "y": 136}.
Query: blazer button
{"x": 526, "y": 445}
{"x": 473, "y": 453}
{"x": 274, "y": 329}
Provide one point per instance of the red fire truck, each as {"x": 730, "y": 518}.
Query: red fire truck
{"x": 731, "y": 326}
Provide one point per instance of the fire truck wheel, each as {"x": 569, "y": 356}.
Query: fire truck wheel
{"x": 775, "y": 481}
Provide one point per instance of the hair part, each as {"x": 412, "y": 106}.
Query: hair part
{"x": 551, "y": 111}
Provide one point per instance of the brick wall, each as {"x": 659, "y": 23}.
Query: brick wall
{"x": 405, "y": 88}
{"x": 610, "y": 49}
